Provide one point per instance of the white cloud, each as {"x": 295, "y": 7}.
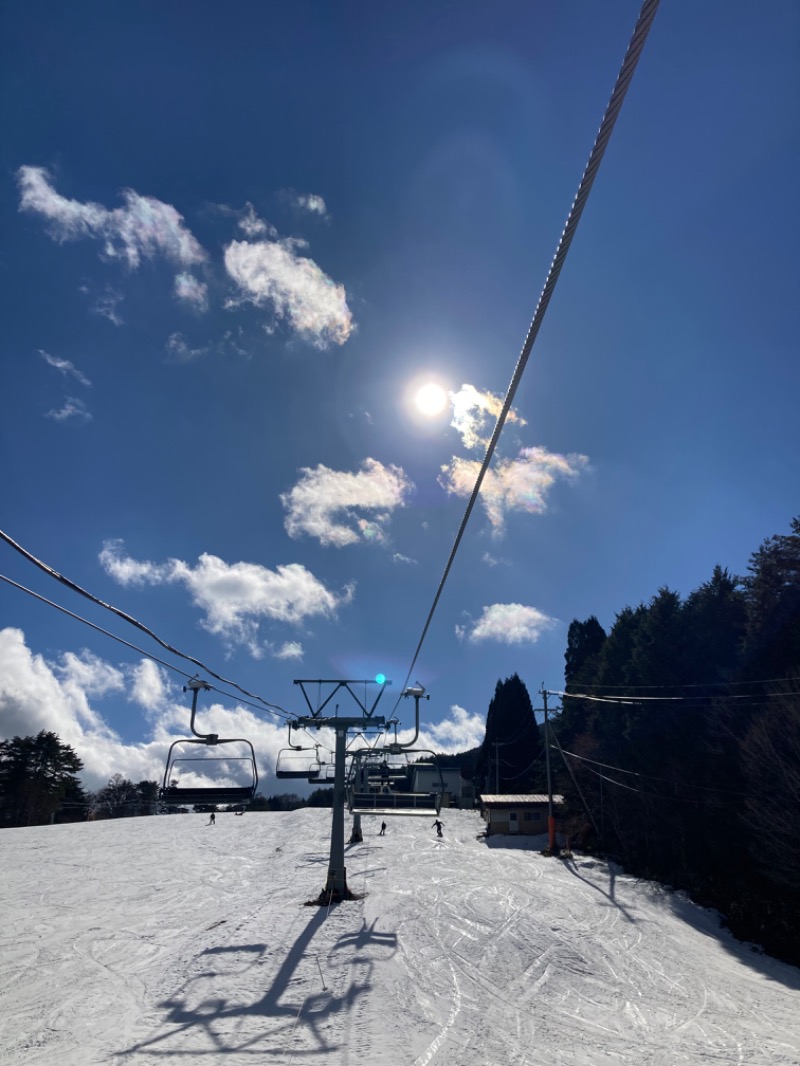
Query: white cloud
{"x": 272, "y": 273}
{"x": 143, "y": 227}
{"x": 325, "y": 503}
{"x": 73, "y": 408}
{"x": 190, "y": 290}
{"x": 519, "y": 484}
{"x": 291, "y": 649}
{"x": 508, "y": 623}
{"x": 127, "y": 571}
{"x": 90, "y": 673}
{"x": 234, "y": 597}
{"x": 475, "y": 415}
{"x": 462, "y": 731}
{"x": 65, "y": 366}
{"x": 39, "y": 695}
{"x": 150, "y": 686}
{"x": 312, "y": 203}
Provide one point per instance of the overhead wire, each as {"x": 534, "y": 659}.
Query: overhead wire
{"x": 641, "y": 30}
{"x": 633, "y": 701}
{"x": 649, "y": 777}
{"x": 51, "y": 572}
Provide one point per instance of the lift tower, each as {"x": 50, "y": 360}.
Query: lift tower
{"x": 336, "y": 884}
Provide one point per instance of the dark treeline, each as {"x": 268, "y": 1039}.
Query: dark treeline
{"x": 696, "y": 782}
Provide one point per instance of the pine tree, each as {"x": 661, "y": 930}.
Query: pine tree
{"x": 510, "y": 756}
{"x": 35, "y": 775}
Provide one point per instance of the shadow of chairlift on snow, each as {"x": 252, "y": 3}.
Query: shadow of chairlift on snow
{"x": 293, "y": 1006}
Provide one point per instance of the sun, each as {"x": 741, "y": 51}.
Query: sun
{"x": 430, "y": 399}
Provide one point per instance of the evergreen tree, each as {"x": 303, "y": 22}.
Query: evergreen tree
{"x": 771, "y": 646}
{"x": 510, "y": 756}
{"x": 35, "y": 775}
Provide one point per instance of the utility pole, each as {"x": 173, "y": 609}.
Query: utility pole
{"x": 551, "y": 821}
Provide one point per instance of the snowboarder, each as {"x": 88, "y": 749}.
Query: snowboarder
{"x": 212, "y": 820}
{"x": 383, "y": 830}
{"x": 439, "y": 827}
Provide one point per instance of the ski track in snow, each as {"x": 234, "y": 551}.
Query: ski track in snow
{"x": 146, "y": 940}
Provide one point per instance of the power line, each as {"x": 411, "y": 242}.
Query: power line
{"x": 641, "y": 30}
{"x": 650, "y": 777}
{"x": 703, "y": 684}
{"x": 51, "y": 572}
{"x": 633, "y": 701}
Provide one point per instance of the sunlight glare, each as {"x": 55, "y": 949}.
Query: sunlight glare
{"x": 431, "y": 399}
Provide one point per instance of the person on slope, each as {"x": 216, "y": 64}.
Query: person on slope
{"x": 439, "y": 827}
{"x": 383, "y": 830}
{"x": 212, "y": 819}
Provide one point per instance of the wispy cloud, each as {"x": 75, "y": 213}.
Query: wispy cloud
{"x": 234, "y": 597}
{"x": 507, "y": 623}
{"x": 180, "y": 351}
{"x": 272, "y": 274}
{"x": 406, "y": 560}
{"x": 143, "y": 227}
{"x": 73, "y": 408}
{"x": 67, "y": 368}
{"x": 190, "y": 290}
{"x": 520, "y": 484}
{"x": 475, "y": 415}
{"x": 251, "y": 225}
{"x": 326, "y": 503}
{"x": 107, "y": 304}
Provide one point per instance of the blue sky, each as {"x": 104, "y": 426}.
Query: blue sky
{"x": 237, "y": 240}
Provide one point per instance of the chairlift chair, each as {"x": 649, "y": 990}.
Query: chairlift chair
{"x": 292, "y": 762}
{"x": 371, "y": 792}
{"x": 173, "y": 793}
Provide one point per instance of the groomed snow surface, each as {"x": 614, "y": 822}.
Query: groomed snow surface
{"x": 157, "y": 939}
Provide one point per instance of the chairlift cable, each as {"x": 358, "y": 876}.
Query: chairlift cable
{"x": 49, "y": 570}
{"x": 135, "y": 647}
{"x": 641, "y": 30}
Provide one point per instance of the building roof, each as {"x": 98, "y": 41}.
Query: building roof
{"x": 517, "y": 800}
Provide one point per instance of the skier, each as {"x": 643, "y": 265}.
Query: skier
{"x": 213, "y": 819}
{"x": 383, "y": 830}
{"x": 439, "y": 827}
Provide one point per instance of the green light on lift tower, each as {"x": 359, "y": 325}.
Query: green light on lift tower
{"x": 381, "y": 679}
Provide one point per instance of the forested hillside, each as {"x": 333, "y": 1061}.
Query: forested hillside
{"x": 681, "y": 733}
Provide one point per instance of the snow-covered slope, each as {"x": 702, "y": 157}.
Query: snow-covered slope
{"x": 149, "y": 939}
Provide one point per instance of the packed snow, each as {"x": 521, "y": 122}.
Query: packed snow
{"x": 143, "y": 940}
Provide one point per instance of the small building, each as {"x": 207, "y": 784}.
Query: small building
{"x": 523, "y": 814}
{"x": 458, "y": 792}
